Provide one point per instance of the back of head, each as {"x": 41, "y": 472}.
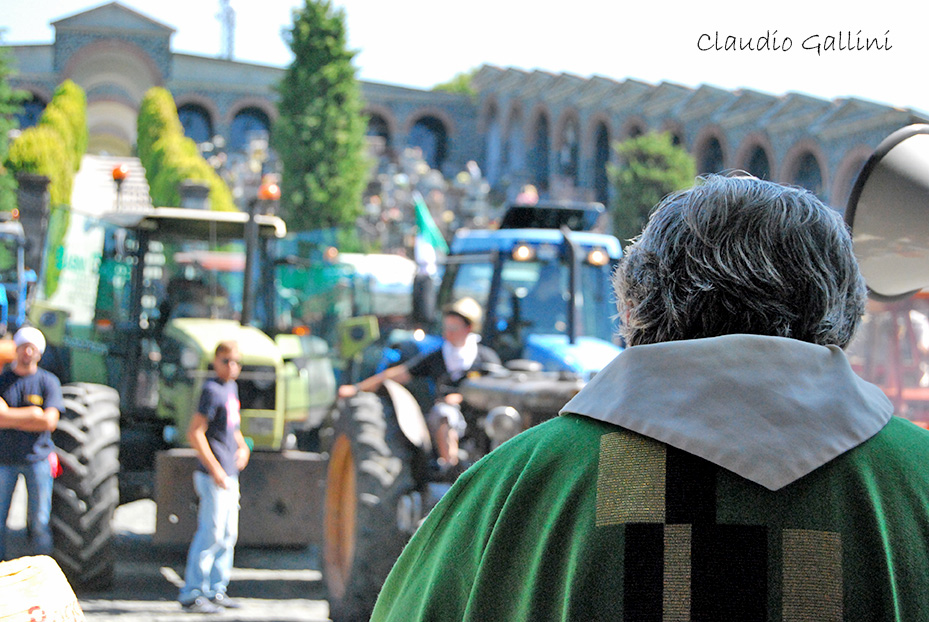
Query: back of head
{"x": 741, "y": 255}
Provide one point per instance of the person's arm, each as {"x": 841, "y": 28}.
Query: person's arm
{"x": 196, "y": 436}
{"x": 28, "y": 418}
{"x": 398, "y": 373}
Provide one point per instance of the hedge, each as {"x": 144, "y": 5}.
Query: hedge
{"x": 170, "y": 158}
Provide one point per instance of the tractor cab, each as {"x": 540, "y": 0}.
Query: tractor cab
{"x": 543, "y": 280}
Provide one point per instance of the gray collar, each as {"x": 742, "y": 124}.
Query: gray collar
{"x": 767, "y": 408}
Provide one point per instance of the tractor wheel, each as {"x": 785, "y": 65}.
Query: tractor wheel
{"x": 87, "y": 491}
{"x": 369, "y": 471}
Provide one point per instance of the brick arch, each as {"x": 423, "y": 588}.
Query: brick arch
{"x": 204, "y": 102}
{"x": 121, "y": 49}
{"x": 597, "y": 119}
{"x": 675, "y": 129}
{"x": 846, "y": 174}
{"x": 632, "y": 125}
{"x": 490, "y": 107}
{"x": 513, "y": 115}
{"x": 567, "y": 115}
{"x": 260, "y": 103}
{"x": 792, "y": 161}
{"x": 430, "y": 111}
{"x": 385, "y": 113}
{"x": 38, "y": 91}
{"x": 755, "y": 140}
{"x": 704, "y": 136}
{"x": 537, "y": 112}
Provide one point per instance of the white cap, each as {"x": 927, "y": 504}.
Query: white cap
{"x": 28, "y": 334}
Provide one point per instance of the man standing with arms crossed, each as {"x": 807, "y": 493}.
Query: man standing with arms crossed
{"x": 30, "y": 404}
{"x": 215, "y": 435}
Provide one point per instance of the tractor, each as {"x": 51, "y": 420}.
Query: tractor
{"x": 138, "y": 306}
{"x": 543, "y": 281}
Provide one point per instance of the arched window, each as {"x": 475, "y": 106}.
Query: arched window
{"x": 601, "y": 158}
{"x": 31, "y": 111}
{"x": 711, "y": 157}
{"x": 429, "y": 134}
{"x": 758, "y": 164}
{"x": 377, "y": 126}
{"x": 538, "y": 157}
{"x": 249, "y": 124}
{"x": 493, "y": 147}
{"x": 197, "y": 123}
{"x": 808, "y": 174}
{"x": 568, "y": 154}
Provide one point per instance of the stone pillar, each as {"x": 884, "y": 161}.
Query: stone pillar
{"x": 33, "y": 200}
{"x": 194, "y": 194}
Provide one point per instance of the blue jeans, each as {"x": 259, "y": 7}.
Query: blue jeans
{"x": 209, "y": 560}
{"x": 38, "y": 476}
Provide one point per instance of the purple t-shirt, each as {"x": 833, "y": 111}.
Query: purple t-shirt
{"x": 219, "y": 403}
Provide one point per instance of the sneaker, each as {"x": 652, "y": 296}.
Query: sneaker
{"x": 201, "y": 605}
{"x": 222, "y": 600}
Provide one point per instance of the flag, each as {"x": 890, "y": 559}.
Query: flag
{"x": 429, "y": 240}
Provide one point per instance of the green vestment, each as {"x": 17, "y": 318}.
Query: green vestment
{"x": 581, "y": 519}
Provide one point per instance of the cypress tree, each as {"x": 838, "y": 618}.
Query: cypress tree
{"x": 319, "y": 135}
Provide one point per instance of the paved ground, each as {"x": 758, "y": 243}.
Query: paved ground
{"x": 273, "y": 585}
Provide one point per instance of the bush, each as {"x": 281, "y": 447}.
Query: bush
{"x": 170, "y": 158}
{"x": 38, "y": 150}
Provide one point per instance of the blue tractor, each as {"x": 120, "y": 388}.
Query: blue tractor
{"x": 16, "y": 280}
{"x": 543, "y": 281}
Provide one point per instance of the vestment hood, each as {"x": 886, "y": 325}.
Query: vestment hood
{"x": 767, "y": 408}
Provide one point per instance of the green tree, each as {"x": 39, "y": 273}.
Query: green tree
{"x": 651, "y": 167}
{"x": 320, "y": 132}
{"x": 10, "y": 101}
{"x": 460, "y": 84}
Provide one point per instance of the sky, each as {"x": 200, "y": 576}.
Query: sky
{"x": 826, "y": 48}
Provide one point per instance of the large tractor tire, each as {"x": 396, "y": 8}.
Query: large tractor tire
{"x": 87, "y": 492}
{"x": 369, "y": 471}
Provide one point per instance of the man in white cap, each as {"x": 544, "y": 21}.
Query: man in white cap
{"x": 30, "y": 404}
{"x": 460, "y": 354}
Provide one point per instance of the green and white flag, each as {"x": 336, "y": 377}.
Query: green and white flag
{"x": 429, "y": 241}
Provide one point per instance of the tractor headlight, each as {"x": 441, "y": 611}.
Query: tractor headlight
{"x": 523, "y": 252}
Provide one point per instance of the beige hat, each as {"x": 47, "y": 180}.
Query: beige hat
{"x": 28, "y": 334}
{"x": 469, "y": 309}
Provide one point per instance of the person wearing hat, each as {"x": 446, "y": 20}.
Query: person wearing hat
{"x": 30, "y": 404}
{"x": 461, "y": 352}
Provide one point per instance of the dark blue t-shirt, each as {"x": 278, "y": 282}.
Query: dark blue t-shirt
{"x": 219, "y": 403}
{"x": 41, "y": 389}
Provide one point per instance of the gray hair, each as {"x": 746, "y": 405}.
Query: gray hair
{"x": 740, "y": 255}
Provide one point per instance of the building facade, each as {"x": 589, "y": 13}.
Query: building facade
{"x": 554, "y": 131}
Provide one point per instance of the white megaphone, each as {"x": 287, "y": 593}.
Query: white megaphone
{"x": 888, "y": 212}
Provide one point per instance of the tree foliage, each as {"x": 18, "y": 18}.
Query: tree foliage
{"x": 10, "y": 101}
{"x": 170, "y": 158}
{"x": 651, "y": 167}
{"x": 54, "y": 148}
{"x": 320, "y": 132}
{"x": 460, "y": 84}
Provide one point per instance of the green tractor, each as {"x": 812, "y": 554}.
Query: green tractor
{"x": 138, "y": 308}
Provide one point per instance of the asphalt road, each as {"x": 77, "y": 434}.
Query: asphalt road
{"x": 272, "y": 584}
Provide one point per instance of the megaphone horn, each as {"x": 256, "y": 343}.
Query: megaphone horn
{"x": 888, "y": 212}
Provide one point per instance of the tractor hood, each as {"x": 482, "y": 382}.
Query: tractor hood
{"x": 586, "y": 356}
{"x": 204, "y": 334}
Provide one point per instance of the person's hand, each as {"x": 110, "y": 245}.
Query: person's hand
{"x": 348, "y": 390}
{"x": 454, "y": 399}
{"x": 242, "y": 455}
{"x": 221, "y": 479}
